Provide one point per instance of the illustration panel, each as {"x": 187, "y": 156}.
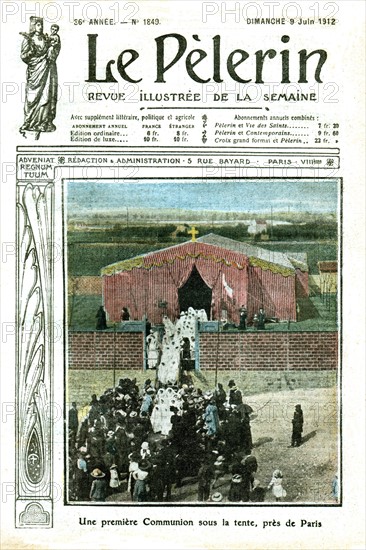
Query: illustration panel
{"x": 202, "y": 323}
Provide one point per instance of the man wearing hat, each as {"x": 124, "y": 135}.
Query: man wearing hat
{"x": 101, "y": 319}
{"x": 98, "y": 491}
{"x": 236, "y": 488}
{"x": 235, "y": 397}
{"x": 205, "y": 476}
{"x": 243, "y": 318}
{"x": 219, "y": 465}
{"x": 73, "y": 423}
{"x": 164, "y": 471}
{"x": 261, "y": 319}
{"x": 297, "y": 427}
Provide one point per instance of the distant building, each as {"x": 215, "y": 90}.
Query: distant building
{"x": 257, "y": 227}
{"x": 328, "y": 277}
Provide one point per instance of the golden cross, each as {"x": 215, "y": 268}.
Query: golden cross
{"x": 193, "y": 232}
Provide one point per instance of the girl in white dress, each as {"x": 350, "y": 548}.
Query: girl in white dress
{"x": 152, "y": 350}
{"x": 276, "y": 483}
{"x": 155, "y": 419}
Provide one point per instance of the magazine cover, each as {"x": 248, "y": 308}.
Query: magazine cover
{"x": 182, "y": 290}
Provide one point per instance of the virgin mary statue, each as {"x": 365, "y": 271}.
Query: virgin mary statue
{"x": 40, "y": 52}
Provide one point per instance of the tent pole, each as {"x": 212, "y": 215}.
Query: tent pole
{"x": 114, "y": 355}
{"x": 217, "y": 351}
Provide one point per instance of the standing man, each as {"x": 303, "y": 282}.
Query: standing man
{"x": 235, "y": 397}
{"x": 297, "y": 425}
{"x": 125, "y": 314}
{"x": 101, "y": 319}
{"x": 206, "y": 475}
{"x": 261, "y": 319}
{"x": 243, "y": 318}
{"x": 73, "y": 423}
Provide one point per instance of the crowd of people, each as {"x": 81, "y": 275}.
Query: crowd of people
{"x": 146, "y": 442}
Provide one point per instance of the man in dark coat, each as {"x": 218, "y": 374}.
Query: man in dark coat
{"x": 125, "y": 315}
{"x": 297, "y": 425}
{"x": 243, "y": 318}
{"x": 235, "y": 397}
{"x": 73, "y": 423}
{"x": 165, "y": 471}
{"x": 101, "y": 319}
{"x": 148, "y": 327}
{"x": 246, "y": 433}
{"x": 220, "y": 398}
{"x": 250, "y": 466}
{"x": 261, "y": 319}
{"x": 206, "y": 475}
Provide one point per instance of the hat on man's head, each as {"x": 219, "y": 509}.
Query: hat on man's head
{"x": 144, "y": 465}
{"x": 217, "y": 497}
{"x": 97, "y": 473}
{"x": 237, "y": 478}
{"x": 219, "y": 461}
{"x": 231, "y": 384}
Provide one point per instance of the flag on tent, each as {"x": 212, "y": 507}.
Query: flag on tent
{"x": 229, "y": 291}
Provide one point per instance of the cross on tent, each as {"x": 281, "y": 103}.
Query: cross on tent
{"x": 193, "y": 231}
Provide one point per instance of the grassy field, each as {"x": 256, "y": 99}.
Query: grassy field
{"x": 89, "y": 258}
{"x": 82, "y": 383}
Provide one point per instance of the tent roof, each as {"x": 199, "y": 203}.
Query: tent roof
{"x": 286, "y": 262}
{"x": 270, "y": 256}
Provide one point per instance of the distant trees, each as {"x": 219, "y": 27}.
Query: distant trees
{"x": 308, "y": 231}
{"x": 119, "y": 232}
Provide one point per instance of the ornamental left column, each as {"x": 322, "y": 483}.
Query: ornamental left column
{"x": 35, "y": 355}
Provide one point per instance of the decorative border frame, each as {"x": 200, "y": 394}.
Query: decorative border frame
{"x": 37, "y": 213}
{"x": 34, "y": 388}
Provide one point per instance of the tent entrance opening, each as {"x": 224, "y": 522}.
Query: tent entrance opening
{"x": 195, "y": 293}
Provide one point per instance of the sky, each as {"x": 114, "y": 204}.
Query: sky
{"x": 227, "y": 196}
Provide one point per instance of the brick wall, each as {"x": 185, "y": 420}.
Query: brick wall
{"x": 270, "y": 351}
{"x": 95, "y": 350}
{"x": 249, "y": 350}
